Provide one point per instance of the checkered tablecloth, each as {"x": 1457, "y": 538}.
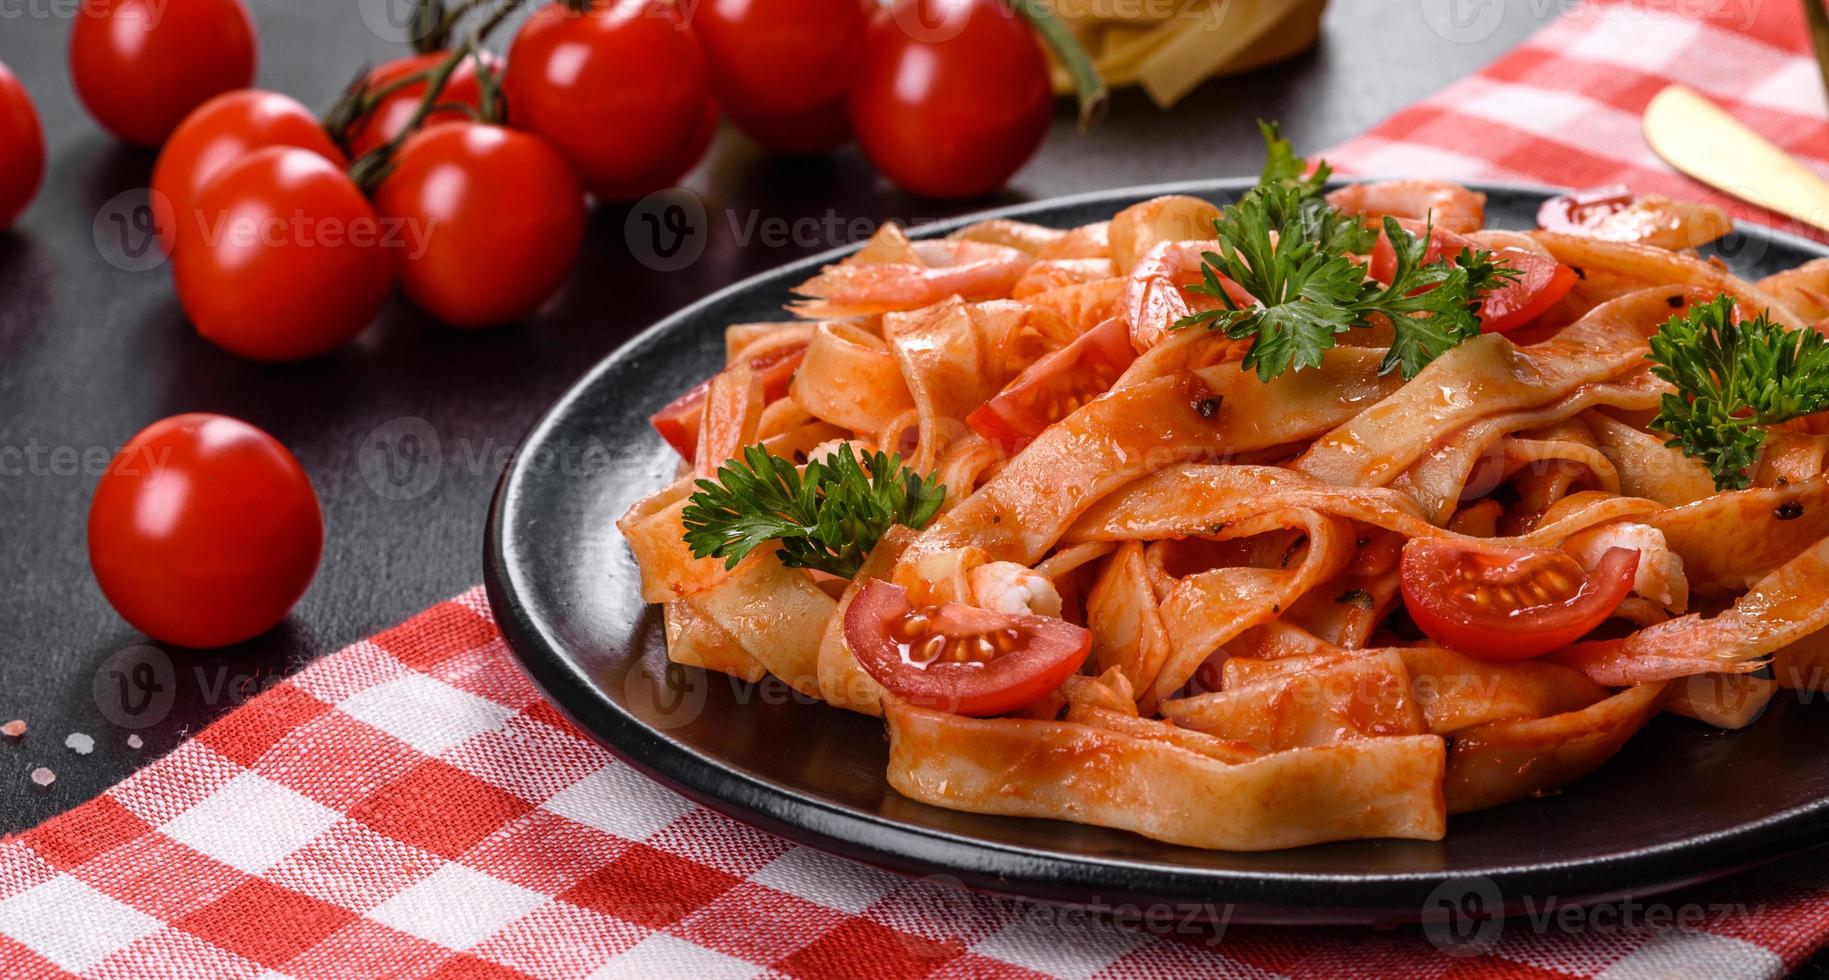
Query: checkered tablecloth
{"x": 409, "y": 807}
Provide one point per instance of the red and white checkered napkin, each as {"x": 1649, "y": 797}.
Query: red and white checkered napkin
{"x": 410, "y": 807}
{"x": 1564, "y": 108}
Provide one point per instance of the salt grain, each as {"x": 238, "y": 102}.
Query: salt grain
{"x": 13, "y": 729}
{"x": 79, "y": 743}
{"x": 135, "y": 741}
{"x": 43, "y": 776}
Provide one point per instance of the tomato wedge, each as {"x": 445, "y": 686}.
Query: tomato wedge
{"x": 960, "y": 658}
{"x": 678, "y": 423}
{"x": 1051, "y": 388}
{"x": 1496, "y": 603}
{"x": 1541, "y": 282}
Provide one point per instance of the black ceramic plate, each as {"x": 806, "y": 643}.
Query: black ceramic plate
{"x": 1681, "y": 804}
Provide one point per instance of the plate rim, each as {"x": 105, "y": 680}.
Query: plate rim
{"x": 1270, "y": 897}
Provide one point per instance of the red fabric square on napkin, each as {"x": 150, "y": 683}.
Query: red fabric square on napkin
{"x": 266, "y": 923}
{"x": 69, "y": 839}
{"x": 650, "y": 887}
{"x": 439, "y": 807}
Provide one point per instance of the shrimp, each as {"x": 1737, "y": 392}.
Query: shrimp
{"x": 891, "y": 273}
{"x": 1660, "y": 576}
{"x": 1804, "y": 289}
{"x": 1019, "y": 235}
{"x": 1156, "y": 295}
{"x": 1091, "y": 241}
{"x": 1138, "y": 229}
{"x": 1006, "y": 587}
{"x": 1614, "y": 214}
{"x": 1447, "y": 204}
{"x": 1058, "y": 273}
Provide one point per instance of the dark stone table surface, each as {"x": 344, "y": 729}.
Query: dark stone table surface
{"x": 93, "y": 346}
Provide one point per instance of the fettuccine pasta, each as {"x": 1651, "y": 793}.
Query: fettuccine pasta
{"x": 1223, "y": 596}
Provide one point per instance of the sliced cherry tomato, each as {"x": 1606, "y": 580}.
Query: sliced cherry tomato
{"x": 960, "y": 658}
{"x": 1573, "y": 212}
{"x": 1498, "y": 603}
{"x": 287, "y": 261}
{"x": 500, "y": 216}
{"x": 396, "y": 109}
{"x": 22, "y": 165}
{"x": 1541, "y": 283}
{"x": 678, "y": 423}
{"x": 1052, "y": 388}
{"x": 952, "y": 97}
{"x": 781, "y": 67}
{"x": 141, "y": 66}
{"x": 222, "y": 131}
{"x": 204, "y": 531}
{"x": 620, "y": 90}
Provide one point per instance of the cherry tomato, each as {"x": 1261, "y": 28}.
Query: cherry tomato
{"x": 781, "y": 67}
{"x": 1050, "y": 389}
{"x": 668, "y": 172}
{"x": 286, "y": 261}
{"x": 951, "y": 96}
{"x": 22, "y": 160}
{"x": 813, "y": 131}
{"x": 141, "y": 66}
{"x": 396, "y": 109}
{"x": 204, "y": 531}
{"x": 1574, "y": 212}
{"x": 501, "y": 214}
{"x": 222, "y": 131}
{"x": 1541, "y": 284}
{"x": 621, "y": 91}
{"x": 960, "y": 658}
{"x": 678, "y": 423}
{"x": 1498, "y": 603}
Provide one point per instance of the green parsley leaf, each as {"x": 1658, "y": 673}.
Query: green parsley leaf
{"x": 828, "y": 517}
{"x": 1732, "y": 380}
{"x": 1284, "y": 245}
{"x": 1282, "y": 166}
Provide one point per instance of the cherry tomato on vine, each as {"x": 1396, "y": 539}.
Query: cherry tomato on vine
{"x": 814, "y": 131}
{"x": 397, "y": 108}
{"x": 287, "y": 260}
{"x": 22, "y": 162}
{"x": 620, "y": 90}
{"x": 1497, "y": 603}
{"x": 951, "y": 97}
{"x": 141, "y": 66}
{"x": 781, "y": 67}
{"x": 204, "y": 531}
{"x": 671, "y": 168}
{"x": 222, "y": 131}
{"x": 501, "y": 214}
{"x": 960, "y": 658}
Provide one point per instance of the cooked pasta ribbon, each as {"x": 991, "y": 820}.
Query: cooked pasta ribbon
{"x": 1237, "y": 555}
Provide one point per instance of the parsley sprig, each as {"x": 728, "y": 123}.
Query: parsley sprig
{"x": 828, "y": 517}
{"x": 1285, "y": 246}
{"x": 1733, "y": 380}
